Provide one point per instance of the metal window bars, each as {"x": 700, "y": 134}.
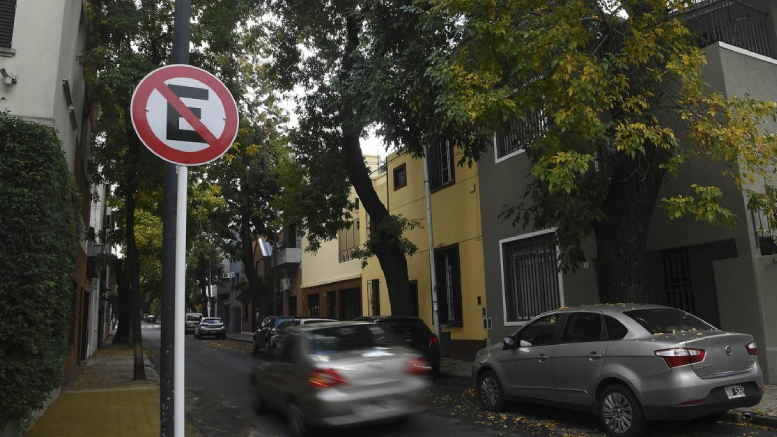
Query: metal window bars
{"x": 765, "y": 234}
{"x": 531, "y": 277}
{"x": 731, "y": 22}
{"x": 521, "y": 133}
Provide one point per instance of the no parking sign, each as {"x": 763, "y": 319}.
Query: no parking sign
{"x": 184, "y": 115}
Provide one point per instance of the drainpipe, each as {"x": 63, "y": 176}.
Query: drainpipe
{"x": 432, "y": 271}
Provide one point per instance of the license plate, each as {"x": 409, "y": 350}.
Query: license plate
{"x": 734, "y": 391}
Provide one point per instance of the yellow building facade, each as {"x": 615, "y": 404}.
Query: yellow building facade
{"x": 456, "y": 223}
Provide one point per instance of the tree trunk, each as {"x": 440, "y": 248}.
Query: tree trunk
{"x": 258, "y": 295}
{"x": 122, "y": 335}
{"x": 388, "y": 251}
{"x": 133, "y": 261}
{"x": 622, "y": 238}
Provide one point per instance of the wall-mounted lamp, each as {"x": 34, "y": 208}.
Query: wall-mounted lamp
{"x": 8, "y": 77}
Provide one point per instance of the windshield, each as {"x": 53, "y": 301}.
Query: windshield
{"x": 192, "y": 317}
{"x": 212, "y": 321}
{"x": 348, "y": 338}
{"x": 280, "y": 320}
{"x": 668, "y": 320}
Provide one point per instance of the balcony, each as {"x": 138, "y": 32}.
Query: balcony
{"x": 765, "y": 234}
{"x": 732, "y": 22}
{"x": 288, "y": 256}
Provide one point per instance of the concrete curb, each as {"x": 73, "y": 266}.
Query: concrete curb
{"x": 239, "y": 339}
{"x": 746, "y": 417}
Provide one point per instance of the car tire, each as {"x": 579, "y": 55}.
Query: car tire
{"x": 620, "y": 412}
{"x": 297, "y": 424}
{"x": 490, "y": 391}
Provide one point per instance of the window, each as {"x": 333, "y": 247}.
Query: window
{"x": 314, "y": 309}
{"x": 331, "y": 305}
{"x": 677, "y": 280}
{"x": 400, "y": 177}
{"x": 7, "y": 16}
{"x": 615, "y": 329}
{"x": 441, "y": 168}
{"x": 667, "y": 320}
{"x": 541, "y": 332}
{"x": 293, "y": 306}
{"x": 350, "y": 303}
{"x": 348, "y": 241}
{"x": 448, "y": 274}
{"x": 583, "y": 327}
{"x": 520, "y": 134}
{"x": 374, "y": 291}
{"x": 531, "y": 276}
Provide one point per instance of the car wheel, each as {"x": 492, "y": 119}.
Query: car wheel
{"x": 296, "y": 419}
{"x": 490, "y": 391}
{"x": 620, "y": 412}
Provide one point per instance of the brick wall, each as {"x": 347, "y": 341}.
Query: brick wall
{"x": 78, "y": 308}
{"x": 466, "y": 349}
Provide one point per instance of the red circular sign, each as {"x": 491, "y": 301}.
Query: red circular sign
{"x": 181, "y": 134}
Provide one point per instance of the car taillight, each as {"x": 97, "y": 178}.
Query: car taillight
{"x": 433, "y": 341}
{"x": 417, "y": 366}
{"x": 680, "y": 356}
{"x": 751, "y": 348}
{"x": 325, "y": 378}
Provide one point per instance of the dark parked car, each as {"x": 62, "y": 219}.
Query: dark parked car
{"x": 415, "y": 333}
{"x": 339, "y": 374}
{"x": 629, "y": 364}
{"x": 268, "y": 328}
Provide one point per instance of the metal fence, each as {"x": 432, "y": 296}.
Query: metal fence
{"x": 521, "y": 133}
{"x": 765, "y": 234}
{"x": 732, "y": 22}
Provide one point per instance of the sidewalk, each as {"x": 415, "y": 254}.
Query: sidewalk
{"x": 104, "y": 401}
{"x": 764, "y": 413}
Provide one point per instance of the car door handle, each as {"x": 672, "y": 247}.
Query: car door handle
{"x": 594, "y": 356}
{"x": 543, "y": 357}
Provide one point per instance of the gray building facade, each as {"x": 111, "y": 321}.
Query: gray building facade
{"x": 727, "y": 276}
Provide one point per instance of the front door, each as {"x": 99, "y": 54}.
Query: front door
{"x": 528, "y": 367}
{"x": 579, "y": 358}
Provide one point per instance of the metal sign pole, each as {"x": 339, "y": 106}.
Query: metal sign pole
{"x": 180, "y": 299}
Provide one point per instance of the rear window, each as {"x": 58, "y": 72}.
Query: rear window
{"x": 280, "y": 320}
{"x": 405, "y": 326}
{"x": 667, "y": 320}
{"x": 211, "y": 321}
{"x": 348, "y": 338}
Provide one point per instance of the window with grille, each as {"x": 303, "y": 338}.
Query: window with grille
{"x": 314, "y": 306}
{"x": 448, "y": 272}
{"x": 400, "y": 177}
{"x": 348, "y": 241}
{"x": 520, "y": 134}
{"x": 676, "y": 279}
{"x": 441, "y": 166}
{"x": 531, "y": 276}
{"x": 7, "y": 16}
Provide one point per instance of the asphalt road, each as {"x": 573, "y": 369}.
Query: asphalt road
{"x": 218, "y": 402}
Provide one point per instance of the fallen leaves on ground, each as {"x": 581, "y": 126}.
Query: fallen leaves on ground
{"x": 229, "y": 345}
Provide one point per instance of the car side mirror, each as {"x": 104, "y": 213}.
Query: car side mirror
{"x": 525, "y": 343}
{"x": 509, "y": 343}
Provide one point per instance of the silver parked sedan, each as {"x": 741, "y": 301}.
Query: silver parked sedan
{"x": 629, "y": 364}
{"x": 211, "y": 326}
{"x": 339, "y": 374}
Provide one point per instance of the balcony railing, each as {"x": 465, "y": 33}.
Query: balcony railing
{"x": 765, "y": 234}
{"x": 731, "y": 22}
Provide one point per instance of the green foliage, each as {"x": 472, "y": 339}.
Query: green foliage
{"x": 40, "y": 227}
{"x": 619, "y": 84}
{"x": 394, "y": 225}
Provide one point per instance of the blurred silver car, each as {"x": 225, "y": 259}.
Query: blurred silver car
{"x": 629, "y": 364}
{"x": 211, "y": 326}
{"x": 339, "y": 374}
